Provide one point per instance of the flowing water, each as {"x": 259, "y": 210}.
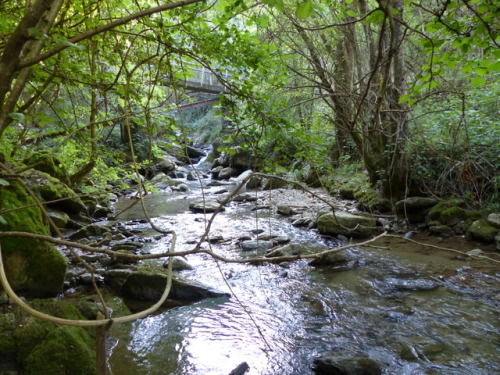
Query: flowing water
{"x": 282, "y": 317}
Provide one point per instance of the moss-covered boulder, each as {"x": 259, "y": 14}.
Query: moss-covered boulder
{"x": 55, "y": 193}
{"x": 44, "y": 348}
{"x": 415, "y": 209}
{"x": 45, "y": 161}
{"x": 346, "y": 224}
{"x": 481, "y": 230}
{"x": 33, "y": 267}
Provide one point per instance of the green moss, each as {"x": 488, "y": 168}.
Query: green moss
{"x": 33, "y": 267}
{"x": 44, "y": 348}
{"x": 44, "y": 161}
{"x": 65, "y": 351}
{"x": 50, "y": 189}
{"x": 481, "y": 230}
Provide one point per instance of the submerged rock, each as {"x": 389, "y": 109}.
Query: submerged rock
{"x": 337, "y": 364}
{"x": 150, "y": 286}
{"x": 411, "y": 284}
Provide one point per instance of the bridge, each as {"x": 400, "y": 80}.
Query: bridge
{"x": 204, "y": 80}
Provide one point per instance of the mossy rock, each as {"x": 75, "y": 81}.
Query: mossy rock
{"x": 447, "y": 213}
{"x": 346, "y": 224}
{"x": 481, "y": 230}
{"x": 44, "y": 348}
{"x": 65, "y": 351}
{"x": 34, "y": 268}
{"x": 46, "y": 162}
{"x": 50, "y": 189}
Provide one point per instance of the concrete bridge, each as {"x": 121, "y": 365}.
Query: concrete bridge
{"x": 204, "y": 80}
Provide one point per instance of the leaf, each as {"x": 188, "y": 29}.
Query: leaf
{"x": 4, "y": 182}
{"x": 478, "y": 82}
{"x": 404, "y": 98}
{"x": 17, "y": 116}
{"x": 2, "y": 220}
{"x": 376, "y": 17}
{"x": 304, "y": 10}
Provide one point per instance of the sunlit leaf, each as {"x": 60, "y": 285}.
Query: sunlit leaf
{"x": 304, "y": 9}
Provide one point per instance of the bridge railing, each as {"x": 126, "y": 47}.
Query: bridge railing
{"x": 204, "y": 80}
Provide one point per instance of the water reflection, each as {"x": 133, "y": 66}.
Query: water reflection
{"x": 288, "y": 316}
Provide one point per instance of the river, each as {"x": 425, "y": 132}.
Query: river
{"x": 281, "y": 317}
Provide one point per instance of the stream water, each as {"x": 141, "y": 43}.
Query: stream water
{"x": 280, "y": 318}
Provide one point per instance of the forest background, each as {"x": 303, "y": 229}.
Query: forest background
{"x": 406, "y": 89}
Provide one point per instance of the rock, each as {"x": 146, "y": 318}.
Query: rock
{"x": 162, "y": 181}
{"x": 59, "y": 218}
{"x": 254, "y": 182}
{"x": 115, "y": 278}
{"x": 207, "y": 206}
{"x": 475, "y": 252}
{"x": 89, "y": 231}
{"x": 346, "y": 224}
{"x": 166, "y": 166}
{"x": 251, "y": 245}
{"x": 481, "y": 230}
{"x": 441, "y": 230}
{"x": 273, "y": 183}
{"x": 181, "y": 187}
{"x": 191, "y": 176}
{"x": 150, "y": 286}
{"x": 215, "y": 171}
{"x": 245, "y": 197}
{"x": 415, "y": 209}
{"x": 34, "y": 268}
{"x": 193, "y": 152}
{"x": 411, "y": 284}
{"x": 331, "y": 259}
{"x": 286, "y": 210}
{"x": 46, "y": 162}
{"x": 179, "y": 264}
{"x": 55, "y": 193}
{"x": 303, "y": 222}
{"x": 337, "y": 364}
{"x": 241, "y": 369}
{"x": 494, "y": 220}
{"x": 241, "y": 159}
{"x": 44, "y": 348}
{"x": 226, "y": 173}
{"x": 294, "y": 249}
{"x": 244, "y": 175}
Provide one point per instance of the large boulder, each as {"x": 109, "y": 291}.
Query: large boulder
{"x": 34, "y": 268}
{"x": 481, "y": 230}
{"x": 149, "y": 286}
{"x": 415, "y": 209}
{"x": 205, "y": 205}
{"x": 346, "y": 224}
{"x": 47, "y": 162}
{"x": 55, "y": 193}
{"x": 43, "y": 348}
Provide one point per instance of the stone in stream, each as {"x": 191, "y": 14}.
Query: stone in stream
{"x": 179, "y": 264}
{"x": 411, "y": 284}
{"x": 241, "y": 369}
{"x": 255, "y": 245}
{"x": 207, "y": 205}
{"x": 346, "y": 224}
{"x": 338, "y": 364}
{"x": 149, "y": 286}
{"x": 245, "y": 197}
